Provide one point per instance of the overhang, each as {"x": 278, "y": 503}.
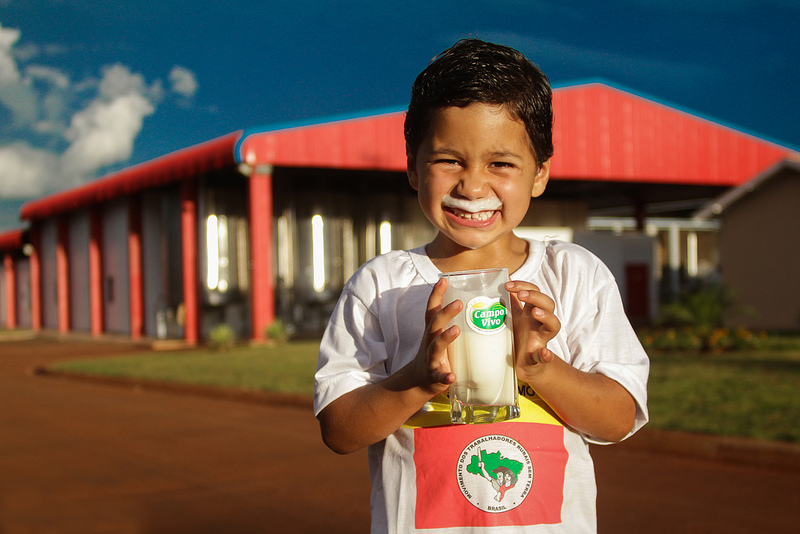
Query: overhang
{"x": 724, "y": 201}
{"x": 11, "y": 241}
{"x": 363, "y": 142}
{"x": 601, "y": 134}
{"x": 604, "y": 133}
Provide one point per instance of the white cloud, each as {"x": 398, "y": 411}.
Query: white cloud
{"x": 183, "y": 81}
{"x": 26, "y": 171}
{"x": 8, "y": 66}
{"x": 21, "y": 101}
{"x": 62, "y": 131}
{"x": 103, "y": 133}
{"x": 47, "y": 74}
{"x": 118, "y": 80}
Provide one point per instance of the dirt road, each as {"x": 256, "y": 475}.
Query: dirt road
{"x": 79, "y": 457}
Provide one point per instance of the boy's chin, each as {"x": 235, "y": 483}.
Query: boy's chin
{"x": 469, "y": 244}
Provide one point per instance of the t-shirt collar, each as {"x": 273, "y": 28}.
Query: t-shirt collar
{"x": 430, "y": 273}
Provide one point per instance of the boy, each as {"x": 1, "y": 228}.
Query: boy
{"x": 479, "y": 141}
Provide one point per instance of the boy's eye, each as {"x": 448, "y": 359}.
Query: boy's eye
{"x": 503, "y": 164}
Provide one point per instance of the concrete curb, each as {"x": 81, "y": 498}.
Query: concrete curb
{"x": 726, "y": 449}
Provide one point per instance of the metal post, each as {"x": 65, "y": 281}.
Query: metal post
{"x": 262, "y": 288}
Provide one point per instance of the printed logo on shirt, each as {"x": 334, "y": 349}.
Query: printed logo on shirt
{"x": 459, "y": 469}
{"x": 495, "y": 473}
{"x": 486, "y": 315}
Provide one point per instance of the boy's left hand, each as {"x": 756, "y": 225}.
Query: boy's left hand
{"x": 535, "y": 324}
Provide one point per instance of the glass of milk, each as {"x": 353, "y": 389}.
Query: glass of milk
{"x": 482, "y": 356}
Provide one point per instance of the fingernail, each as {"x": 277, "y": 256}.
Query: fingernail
{"x": 538, "y": 312}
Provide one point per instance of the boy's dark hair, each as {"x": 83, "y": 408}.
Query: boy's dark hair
{"x": 474, "y": 71}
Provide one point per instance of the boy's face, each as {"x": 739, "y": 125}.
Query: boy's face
{"x": 475, "y": 174}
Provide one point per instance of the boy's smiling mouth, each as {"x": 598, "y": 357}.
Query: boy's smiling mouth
{"x": 473, "y": 210}
{"x": 479, "y": 216}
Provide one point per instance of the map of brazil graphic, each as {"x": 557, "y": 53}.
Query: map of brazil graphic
{"x": 468, "y": 478}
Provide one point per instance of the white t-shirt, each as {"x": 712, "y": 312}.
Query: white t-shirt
{"x": 431, "y": 476}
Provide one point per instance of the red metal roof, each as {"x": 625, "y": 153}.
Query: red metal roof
{"x": 601, "y": 134}
{"x": 11, "y": 241}
{"x": 181, "y": 165}
{"x": 372, "y": 142}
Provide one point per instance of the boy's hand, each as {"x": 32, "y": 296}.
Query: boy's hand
{"x": 534, "y": 325}
{"x": 432, "y": 366}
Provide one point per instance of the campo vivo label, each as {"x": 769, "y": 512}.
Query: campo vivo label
{"x": 486, "y": 315}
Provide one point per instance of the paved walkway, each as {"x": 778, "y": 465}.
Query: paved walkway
{"x": 80, "y": 457}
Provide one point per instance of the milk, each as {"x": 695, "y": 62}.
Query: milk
{"x": 482, "y": 356}
{"x": 484, "y": 367}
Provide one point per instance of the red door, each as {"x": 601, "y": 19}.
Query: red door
{"x": 637, "y": 291}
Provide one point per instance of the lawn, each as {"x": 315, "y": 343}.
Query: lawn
{"x": 742, "y": 393}
{"x": 286, "y": 368}
{"x": 752, "y": 394}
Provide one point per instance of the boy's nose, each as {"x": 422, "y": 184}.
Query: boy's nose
{"x": 472, "y": 184}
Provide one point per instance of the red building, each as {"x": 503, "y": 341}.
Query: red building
{"x": 269, "y": 223}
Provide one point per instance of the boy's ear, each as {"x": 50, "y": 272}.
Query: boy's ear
{"x": 540, "y": 180}
{"x": 411, "y": 169}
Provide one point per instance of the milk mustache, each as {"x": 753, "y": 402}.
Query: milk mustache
{"x": 482, "y": 356}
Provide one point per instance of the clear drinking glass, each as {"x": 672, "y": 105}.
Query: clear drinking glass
{"x": 482, "y": 356}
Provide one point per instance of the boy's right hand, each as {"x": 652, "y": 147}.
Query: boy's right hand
{"x": 432, "y": 366}
{"x": 372, "y": 412}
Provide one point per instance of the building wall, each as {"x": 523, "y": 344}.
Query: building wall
{"x": 162, "y": 263}
{"x": 116, "y": 295}
{"x": 759, "y": 253}
{"x": 224, "y": 254}
{"x": 22, "y": 266}
{"x": 327, "y": 223}
{"x": 47, "y": 255}
{"x": 631, "y": 259}
{"x": 79, "y": 303}
{"x": 153, "y": 263}
{"x": 555, "y": 213}
{"x": 3, "y": 294}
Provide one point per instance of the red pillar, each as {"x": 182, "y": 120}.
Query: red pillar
{"x": 36, "y": 279}
{"x": 189, "y": 250}
{"x": 9, "y": 278}
{"x": 262, "y": 287}
{"x": 135, "y": 266}
{"x": 62, "y": 275}
{"x": 96, "y": 270}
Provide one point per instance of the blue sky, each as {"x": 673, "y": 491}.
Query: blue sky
{"x": 91, "y": 86}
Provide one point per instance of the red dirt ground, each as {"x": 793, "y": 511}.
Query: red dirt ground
{"x": 83, "y": 457}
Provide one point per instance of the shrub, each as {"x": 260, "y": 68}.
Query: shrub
{"x": 278, "y": 332}
{"x": 691, "y": 339}
{"x": 221, "y": 337}
{"x": 696, "y": 321}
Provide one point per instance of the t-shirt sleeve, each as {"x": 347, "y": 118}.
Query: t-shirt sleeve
{"x": 601, "y": 339}
{"x": 352, "y": 351}
{"x": 620, "y": 355}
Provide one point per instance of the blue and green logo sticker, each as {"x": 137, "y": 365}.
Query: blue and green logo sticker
{"x": 486, "y": 315}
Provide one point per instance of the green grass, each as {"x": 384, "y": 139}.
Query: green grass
{"x": 748, "y": 393}
{"x": 285, "y": 368}
{"x": 752, "y": 394}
